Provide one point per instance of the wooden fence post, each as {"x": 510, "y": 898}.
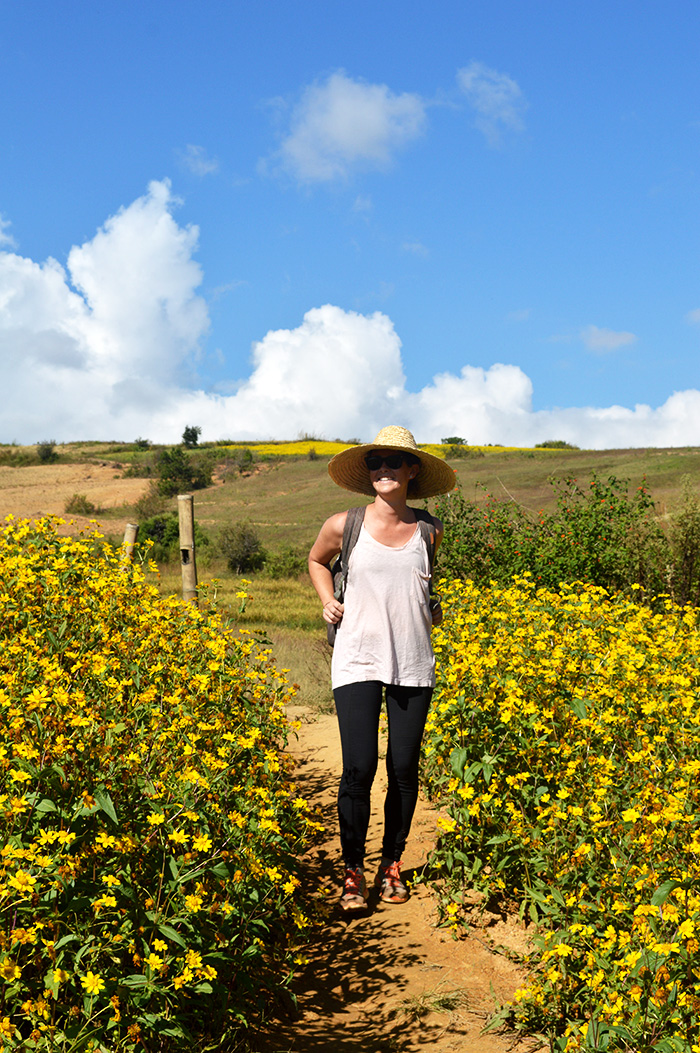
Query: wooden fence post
{"x": 130, "y": 535}
{"x": 185, "y": 509}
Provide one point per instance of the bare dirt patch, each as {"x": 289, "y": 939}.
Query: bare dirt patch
{"x": 376, "y": 983}
{"x": 41, "y": 490}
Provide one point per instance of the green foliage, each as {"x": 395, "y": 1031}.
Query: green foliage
{"x": 240, "y": 544}
{"x": 555, "y": 444}
{"x": 46, "y": 451}
{"x": 163, "y": 530}
{"x": 685, "y": 544}
{"x": 453, "y": 440}
{"x": 178, "y": 473}
{"x": 600, "y": 534}
{"x": 288, "y": 562}
{"x": 142, "y": 444}
{"x": 79, "y": 505}
{"x": 239, "y": 459}
{"x": 150, "y": 899}
{"x": 190, "y": 436}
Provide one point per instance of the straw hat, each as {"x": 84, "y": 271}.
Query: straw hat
{"x": 348, "y": 469}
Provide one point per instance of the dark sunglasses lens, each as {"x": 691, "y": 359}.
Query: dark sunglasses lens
{"x": 374, "y": 461}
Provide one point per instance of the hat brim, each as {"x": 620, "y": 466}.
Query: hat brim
{"x": 348, "y": 469}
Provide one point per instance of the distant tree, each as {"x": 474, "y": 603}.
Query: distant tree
{"x": 142, "y": 444}
{"x": 454, "y": 440}
{"x": 190, "y": 436}
{"x": 555, "y": 444}
{"x": 178, "y": 473}
{"x": 46, "y": 451}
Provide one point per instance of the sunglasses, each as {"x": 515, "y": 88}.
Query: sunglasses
{"x": 375, "y": 461}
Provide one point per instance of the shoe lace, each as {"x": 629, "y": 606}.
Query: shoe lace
{"x": 352, "y": 886}
{"x": 392, "y": 874}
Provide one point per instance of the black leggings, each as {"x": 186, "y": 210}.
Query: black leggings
{"x": 358, "y": 707}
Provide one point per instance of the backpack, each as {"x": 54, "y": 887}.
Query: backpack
{"x": 351, "y": 532}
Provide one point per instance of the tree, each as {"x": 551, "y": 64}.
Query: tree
{"x": 190, "y": 436}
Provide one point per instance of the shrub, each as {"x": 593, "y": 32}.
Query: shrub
{"x": 454, "y": 440}
{"x": 563, "y": 744}
{"x": 178, "y": 473}
{"x": 79, "y": 505}
{"x": 46, "y": 451}
{"x": 555, "y": 444}
{"x": 289, "y": 562}
{"x": 148, "y": 885}
{"x": 163, "y": 530}
{"x": 142, "y": 444}
{"x": 241, "y": 546}
{"x": 601, "y": 534}
{"x": 151, "y": 503}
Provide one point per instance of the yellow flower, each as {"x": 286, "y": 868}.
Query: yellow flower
{"x": 9, "y": 970}
{"x": 92, "y": 983}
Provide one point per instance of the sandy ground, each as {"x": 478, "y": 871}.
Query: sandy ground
{"x": 367, "y": 978}
{"x": 43, "y": 490}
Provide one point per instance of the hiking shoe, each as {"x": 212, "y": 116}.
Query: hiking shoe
{"x": 388, "y": 881}
{"x": 354, "y": 897}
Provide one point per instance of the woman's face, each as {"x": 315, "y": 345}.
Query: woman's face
{"x": 387, "y": 479}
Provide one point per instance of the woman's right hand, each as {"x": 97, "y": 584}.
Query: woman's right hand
{"x": 333, "y": 611}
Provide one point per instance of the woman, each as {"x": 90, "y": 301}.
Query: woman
{"x": 382, "y": 644}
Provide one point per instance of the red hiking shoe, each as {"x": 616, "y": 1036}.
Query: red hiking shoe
{"x": 391, "y": 887}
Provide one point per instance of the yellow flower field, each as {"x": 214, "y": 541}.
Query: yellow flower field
{"x": 564, "y": 745}
{"x": 150, "y": 820}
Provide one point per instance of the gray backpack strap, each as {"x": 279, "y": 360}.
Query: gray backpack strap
{"x": 351, "y": 532}
{"x": 427, "y": 529}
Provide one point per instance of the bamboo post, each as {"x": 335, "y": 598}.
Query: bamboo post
{"x": 130, "y": 535}
{"x": 185, "y": 509}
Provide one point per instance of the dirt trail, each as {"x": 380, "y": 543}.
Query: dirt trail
{"x": 370, "y": 982}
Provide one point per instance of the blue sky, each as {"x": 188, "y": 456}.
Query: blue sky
{"x": 473, "y": 218}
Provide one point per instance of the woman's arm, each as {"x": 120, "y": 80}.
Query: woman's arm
{"x": 326, "y": 546}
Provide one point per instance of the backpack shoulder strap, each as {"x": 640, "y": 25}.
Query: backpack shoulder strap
{"x": 427, "y": 529}
{"x": 351, "y": 532}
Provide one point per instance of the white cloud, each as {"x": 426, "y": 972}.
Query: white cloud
{"x": 602, "y": 340}
{"x": 195, "y": 158}
{"x": 693, "y": 317}
{"x": 98, "y": 351}
{"x": 6, "y": 238}
{"x": 496, "y": 99}
{"x": 415, "y": 248}
{"x": 341, "y": 124}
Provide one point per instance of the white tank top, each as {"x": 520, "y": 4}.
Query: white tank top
{"x": 385, "y": 631}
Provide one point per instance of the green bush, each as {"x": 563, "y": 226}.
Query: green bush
{"x": 190, "y": 436}
{"x": 163, "y": 530}
{"x": 46, "y": 451}
{"x": 149, "y": 888}
{"x": 178, "y": 473}
{"x": 600, "y": 534}
{"x": 289, "y": 562}
{"x": 79, "y": 505}
{"x": 241, "y": 546}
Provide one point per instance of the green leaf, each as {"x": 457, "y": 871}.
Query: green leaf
{"x": 458, "y": 760}
{"x": 578, "y": 706}
{"x": 46, "y": 805}
{"x": 172, "y": 934}
{"x": 70, "y": 938}
{"x": 106, "y": 804}
{"x": 204, "y": 988}
{"x": 663, "y": 892}
{"x": 135, "y": 980}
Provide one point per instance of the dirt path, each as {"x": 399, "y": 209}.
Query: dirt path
{"x": 372, "y": 984}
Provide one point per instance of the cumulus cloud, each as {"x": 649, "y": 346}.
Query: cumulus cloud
{"x": 341, "y": 124}
{"x": 6, "y": 239}
{"x": 602, "y": 340}
{"x": 496, "y": 99}
{"x": 195, "y": 158}
{"x": 101, "y": 350}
